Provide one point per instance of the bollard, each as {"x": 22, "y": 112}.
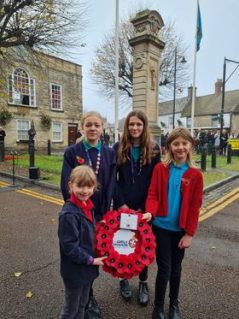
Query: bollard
{"x": 2, "y": 151}
{"x": 213, "y": 157}
{"x": 229, "y": 154}
{"x": 48, "y": 147}
{"x": 203, "y": 159}
{"x": 13, "y": 153}
{"x": 31, "y": 153}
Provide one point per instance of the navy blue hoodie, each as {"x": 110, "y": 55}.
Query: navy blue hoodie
{"x": 76, "y": 237}
{"x": 106, "y": 177}
{"x": 133, "y": 190}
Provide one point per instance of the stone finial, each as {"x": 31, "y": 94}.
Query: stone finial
{"x": 147, "y": 22}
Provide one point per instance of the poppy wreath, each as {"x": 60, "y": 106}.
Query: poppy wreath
{"x": 121, "y": 265}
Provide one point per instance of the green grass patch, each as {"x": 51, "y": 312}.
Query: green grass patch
{"x": 212, "y": 177}
{"x": 50, "y": 164}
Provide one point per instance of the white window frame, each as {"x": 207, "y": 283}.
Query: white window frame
{"x": 189, "y": 122}
{"x": 60, "y": 89}
{"x": 28, "y": 126}
{"x": 60, "y": 131}
{"x": 215, "y": 121}
{"x": 170, "y": 121}
{"x": 16, "y": 95}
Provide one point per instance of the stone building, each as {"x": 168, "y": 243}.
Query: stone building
{"x": 207, "y": 110}
{"x": 44, "y": 91}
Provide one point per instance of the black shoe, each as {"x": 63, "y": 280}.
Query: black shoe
{"x": 158, "y": 313}
{"x": 92, "y": 310}
{"x": 143, "y": 294}
{"x": 174, "y": 312}
{"x": 125, "y": 289}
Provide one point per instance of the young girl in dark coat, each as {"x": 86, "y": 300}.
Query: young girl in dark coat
{"x": 174, "y": 199}
{"x": 137, "y": 155}
{"x": 101, "y": 158}
{"x": 92, "y": 152}
{"x": 76, "y": 232}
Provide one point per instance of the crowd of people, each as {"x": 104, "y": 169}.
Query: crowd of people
{"x": 131, "y": 174}
{"x": 207, "y": 139}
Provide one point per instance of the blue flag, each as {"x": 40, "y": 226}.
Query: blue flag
{"x": 199, "y": 28}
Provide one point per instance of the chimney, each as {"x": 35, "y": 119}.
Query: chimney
{"x": 190, "y": 92}
{"x": 218, "y": 87}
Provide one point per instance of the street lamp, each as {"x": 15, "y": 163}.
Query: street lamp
{"x": 224, "y": 80}
{"x": 182, "y": 60}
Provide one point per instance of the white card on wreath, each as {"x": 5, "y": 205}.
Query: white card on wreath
{"x": 128, "y": 221}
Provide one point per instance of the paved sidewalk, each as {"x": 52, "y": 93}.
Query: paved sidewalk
{"x": 29, "y": 244}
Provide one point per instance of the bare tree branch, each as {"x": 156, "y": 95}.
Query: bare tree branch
{"x": 103, "y": 65}
{"x": 42, "y": 24}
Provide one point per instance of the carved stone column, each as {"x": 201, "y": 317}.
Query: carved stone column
{"x": 146, "y": 54}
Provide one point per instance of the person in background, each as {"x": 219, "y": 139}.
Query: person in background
{"x": 137, "y": 155}
{"x": 233, "y": 135}
{"x": 76, "y": 232}
{"x": 223, "y": 142}
{"x": 91, "y": 151}
{"x": 174, "y": 199}
{"x": 2, "y": 134}
{"x": 217, "y": 140}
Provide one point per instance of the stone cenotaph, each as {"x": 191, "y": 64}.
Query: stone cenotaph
{"x": 147, "y": 48}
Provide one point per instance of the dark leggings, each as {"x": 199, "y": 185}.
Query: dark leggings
{"x": 143, "y": 276}
{"x": 169, "y": 259}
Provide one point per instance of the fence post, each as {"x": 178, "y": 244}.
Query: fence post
{"x": 203, "y": 159}
{"x": 31, "y": 153}
{"x": 229, "y": 154}
{"x": 13, "y": 153}
{"x": 2, "y": 151}
{"x": 48, "y": 147}
{"x": 214, "y": 157}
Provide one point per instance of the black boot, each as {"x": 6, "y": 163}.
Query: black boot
{"x": 125, "y": 289}
{"x": 143, "y": 294}
{"x": 158, "y": 313}
{"x": 92, "y": 310}
{"x": 174, "y": 312}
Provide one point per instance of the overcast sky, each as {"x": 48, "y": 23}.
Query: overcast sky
{"x": 220, "y": 25}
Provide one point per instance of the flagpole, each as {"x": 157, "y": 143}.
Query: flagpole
{"x": 116, "y": 69}
{"x": 194, "y": 74}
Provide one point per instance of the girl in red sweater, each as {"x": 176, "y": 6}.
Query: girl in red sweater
{"x": 174, "y": 199}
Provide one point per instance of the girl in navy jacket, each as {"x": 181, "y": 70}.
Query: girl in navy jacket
{"x": 92, "y": 152}
{"x": 137, "y": 155}
{"x": 76, "y": 232}
{"x": 174, "y": 199}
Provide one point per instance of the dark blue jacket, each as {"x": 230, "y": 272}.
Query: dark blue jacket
{"x": 133, "y": 191}
{"x": 76, "y": 238}
{"x": 106, "y": 177}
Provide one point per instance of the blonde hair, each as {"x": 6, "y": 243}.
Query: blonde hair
{"x": 83, "y": 176}
{"x": 146, "y": 141}
{"x": 185, "y": 134}
{"x": 91, "y": 113}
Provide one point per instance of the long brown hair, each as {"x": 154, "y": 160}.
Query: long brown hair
{"x": 185, "y": 134}
{"x": 146, "y": 141}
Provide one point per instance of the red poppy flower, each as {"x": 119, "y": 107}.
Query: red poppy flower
{"x": 80, "y": 160}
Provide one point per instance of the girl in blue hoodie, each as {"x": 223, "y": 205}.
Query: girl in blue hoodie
{"x": 76, "y": 232}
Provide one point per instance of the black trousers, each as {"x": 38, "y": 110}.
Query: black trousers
{"x": 169, "y": 259}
